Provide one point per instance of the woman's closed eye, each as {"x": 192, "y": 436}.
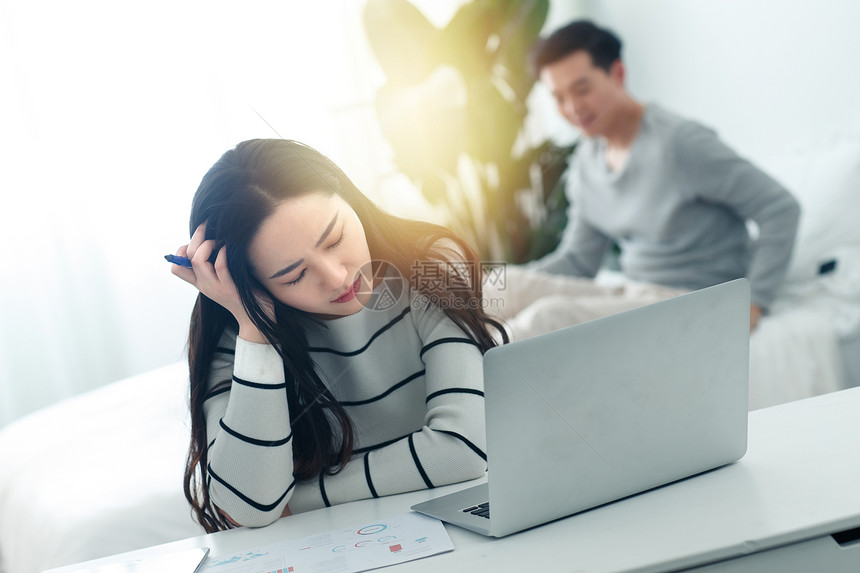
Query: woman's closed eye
{"x": 338, "y": 242}
{"x": 298, "y": 278}
{"x": 302, "y": 274}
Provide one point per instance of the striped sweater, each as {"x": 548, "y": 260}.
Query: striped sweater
{"x": 411, "y": 382}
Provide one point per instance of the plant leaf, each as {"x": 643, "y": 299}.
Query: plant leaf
{"x": 493, "y": 123}
{"x": 426, "y": 133}
{"x": 403, "y": 39}
{"x": 464, "y": 40}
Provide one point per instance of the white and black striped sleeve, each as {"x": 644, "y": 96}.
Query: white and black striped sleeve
{"x": 250, "y": 470}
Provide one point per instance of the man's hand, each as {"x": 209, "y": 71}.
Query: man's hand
{"x": 755, "y": 314}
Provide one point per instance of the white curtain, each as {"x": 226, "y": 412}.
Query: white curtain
{"x": 111, "y": 112}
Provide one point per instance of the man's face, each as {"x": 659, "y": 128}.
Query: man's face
{"x": 587, "y": 96}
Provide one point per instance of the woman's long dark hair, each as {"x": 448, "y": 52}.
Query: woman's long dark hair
{"x": 235, "y": 196}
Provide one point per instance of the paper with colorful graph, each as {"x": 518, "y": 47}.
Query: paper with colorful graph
{"x": 361, "y": 548}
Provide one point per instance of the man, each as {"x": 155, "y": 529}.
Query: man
{"x": 666, "y": 189}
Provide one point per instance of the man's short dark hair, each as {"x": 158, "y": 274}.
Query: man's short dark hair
{"x": 602, "y": 45}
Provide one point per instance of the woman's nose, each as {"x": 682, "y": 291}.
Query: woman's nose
{"x": 334, "y": 274}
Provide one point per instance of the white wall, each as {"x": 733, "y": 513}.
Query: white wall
{"x": 769, "y": 75}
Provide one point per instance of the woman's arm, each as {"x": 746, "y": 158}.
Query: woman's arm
{"x": 250, "y": 472}
{"x": 249, "y": 441}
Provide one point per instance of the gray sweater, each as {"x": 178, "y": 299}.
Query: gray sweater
{"x": 411, "y": 382}
{"x": 678, "y": 211}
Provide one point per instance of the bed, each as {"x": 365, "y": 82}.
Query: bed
{"x": 96, "y": 475}
{"x": 810, "y": 344}
{"x": 101, "y": 473}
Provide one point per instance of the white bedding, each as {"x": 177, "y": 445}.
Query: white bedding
{"x": 798, "y": 351}
{"x": 801, "y": 349}
{"x": 794, "y": 351}
{"x": 794, "y": 354}
{"x": 96, "y": 475}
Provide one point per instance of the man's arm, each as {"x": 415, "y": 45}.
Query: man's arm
{"x": 580, "y": 251}
{"x": 721, "y": 176}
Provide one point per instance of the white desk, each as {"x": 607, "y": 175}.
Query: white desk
{"x": 799, "y": 480}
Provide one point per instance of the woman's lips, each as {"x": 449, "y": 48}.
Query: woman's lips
{"x": 350, "y": 294}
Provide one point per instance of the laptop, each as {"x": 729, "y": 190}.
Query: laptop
{"x": 609, "y": 408}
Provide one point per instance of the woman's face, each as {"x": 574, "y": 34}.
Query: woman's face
{"x": 308, "y": 254}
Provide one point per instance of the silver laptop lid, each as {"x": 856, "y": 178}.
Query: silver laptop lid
{"x": 605, "y": 409}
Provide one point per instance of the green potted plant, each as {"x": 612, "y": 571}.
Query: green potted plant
{"x": 453, "y": 110}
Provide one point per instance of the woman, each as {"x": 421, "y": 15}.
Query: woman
{"x": 335, "y": 350}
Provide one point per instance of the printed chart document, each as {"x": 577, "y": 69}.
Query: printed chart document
{"x": 179, "y": 561}
{"x": 361, "y": 548}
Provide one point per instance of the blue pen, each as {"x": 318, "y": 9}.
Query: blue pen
{"x": 177, "y": 260}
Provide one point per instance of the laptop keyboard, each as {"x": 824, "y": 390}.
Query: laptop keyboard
{"x": 481, "y": 510}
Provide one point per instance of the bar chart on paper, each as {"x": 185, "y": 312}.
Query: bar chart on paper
{"x": 349, "y": 550}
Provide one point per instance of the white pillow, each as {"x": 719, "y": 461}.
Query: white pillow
{"x": 826, "y": 182}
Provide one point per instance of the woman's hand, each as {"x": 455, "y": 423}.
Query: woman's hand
{"x": 214, "y": 281}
